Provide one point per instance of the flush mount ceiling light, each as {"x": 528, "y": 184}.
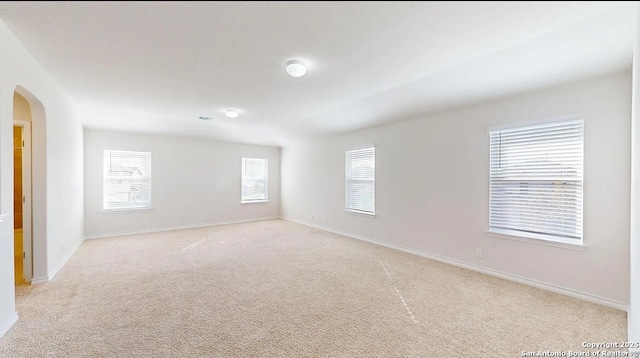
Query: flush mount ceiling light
{"x": 231, "y": 113}
{"x": 296, "y": 68}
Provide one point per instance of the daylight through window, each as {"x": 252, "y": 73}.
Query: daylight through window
{"x": 254, "y": 180}
{"x": 360, "y": 180}
{"x": 536, "y": 180}
{"x": 127, "y": 180}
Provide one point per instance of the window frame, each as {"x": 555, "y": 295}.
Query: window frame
{"x": 146, "y": 207}
{"x": 536, "y": 237}
{"x": 348, "y": 180}
{"x": 266, "y": 182}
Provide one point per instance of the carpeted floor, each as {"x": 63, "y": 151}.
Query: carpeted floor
{"x": 279, "y": 289}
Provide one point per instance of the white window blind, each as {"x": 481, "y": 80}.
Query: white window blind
{"x": 127, "y": 180}
{"x": 254, "y": 180}
{"x": 360, "y": 180}
{"x": 536, "y": 179}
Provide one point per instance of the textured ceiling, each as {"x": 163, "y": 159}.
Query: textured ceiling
{"x": 159, "y": 66}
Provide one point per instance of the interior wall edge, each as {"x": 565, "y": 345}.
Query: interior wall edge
{"x": 8, "y": 323}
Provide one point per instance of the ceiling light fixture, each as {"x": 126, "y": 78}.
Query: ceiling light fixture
{"x": 296, "y": 68}
{"x": 231, "y": 113}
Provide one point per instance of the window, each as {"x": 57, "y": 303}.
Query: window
{"x": 254, "y": 180}
{"x": 360, "y": 180}
{"x": 127, "y": 180}
{"x": 536, "y": 181}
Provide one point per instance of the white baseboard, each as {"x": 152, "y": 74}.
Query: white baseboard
{"x": 59, "y": 266}
{"x": 64, "y": 261}
{"x": 504, "y": 275}
{"x": 8, "y": 323}
{"x": 182, "y": 227}
{"x": 39, "y": 280}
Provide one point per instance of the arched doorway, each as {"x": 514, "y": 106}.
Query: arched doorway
{"x": 22, "y": 189}
{"x": 30, "y": 221}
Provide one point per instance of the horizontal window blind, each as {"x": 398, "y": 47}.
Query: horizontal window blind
{"x": 127, "y": 180}
{"x": 360, "y": 180}
{"x": 254, "y": 179}
{"x": 536, "y": 179}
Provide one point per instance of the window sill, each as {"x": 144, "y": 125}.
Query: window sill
{"x": 125, "y": 210}
{"x": 538, "y": 239}
{"x": 254, "y": 201}
{"x": 360, "y": 213}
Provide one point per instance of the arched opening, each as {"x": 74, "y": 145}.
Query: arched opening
{"x": 22, "y": 189}
{"x": 29, "y": 120}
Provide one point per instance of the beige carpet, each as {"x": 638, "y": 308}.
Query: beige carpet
{"x": 279, "y": 289}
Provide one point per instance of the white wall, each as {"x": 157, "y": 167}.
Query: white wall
{"x": 57, "y": 163}
{"x": 432, "y": 187}
{"x": 633, "y": 316}
{"x": 194, "y": 182}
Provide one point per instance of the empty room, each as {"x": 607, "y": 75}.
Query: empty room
{"x": 319, "y": 179}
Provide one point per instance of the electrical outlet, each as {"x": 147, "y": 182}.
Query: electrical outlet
{"x": 145, "y": 221}
{"x": 311, "y": 217}
{"x": 479, "y": 253}
{"x": 325, "y": 220}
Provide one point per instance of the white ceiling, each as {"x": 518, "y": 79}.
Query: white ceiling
{"x": 158, "y": 66}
